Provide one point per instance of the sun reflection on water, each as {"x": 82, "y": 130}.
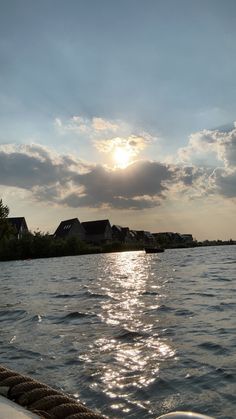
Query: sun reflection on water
{"x": 133, "y": 349}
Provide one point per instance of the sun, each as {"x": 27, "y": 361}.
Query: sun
{"x": 122, "y": 157}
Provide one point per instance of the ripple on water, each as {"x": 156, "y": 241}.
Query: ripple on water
{"x": 12, "y": 315}
{"x": 75, "y": 317}
{"x": 213, "y": 347}
{"x": 131, "y": 335}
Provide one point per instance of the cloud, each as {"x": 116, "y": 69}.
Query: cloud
{"x": 105, "y": 134}
{"x": 116, "y": 138}
{"x": 218, "y": 148}
{"x": 227, "y": 150}
{"x": 87, "y": 126}
{"x": 133, "y": 144}
{"x": 223, "y": 182}
{"x": 29, "y": 166}
{"x": 140, "y": 185}
{"x": 100, "y": 124}
{"x": 67, "y": 180}
{"x": 214, "y": 145}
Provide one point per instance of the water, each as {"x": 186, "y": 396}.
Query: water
{"x": 130, "y": 334}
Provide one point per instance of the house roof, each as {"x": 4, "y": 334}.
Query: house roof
{"x": 121, "y": 232}
{"x": 116, "y": 227}
{"x": 96, "y": 227}
{"x": 17, "y": 222}
{"x": 65, "y": 226}
{"x": 143, "y": 235}
{"x": 148, "y": 234}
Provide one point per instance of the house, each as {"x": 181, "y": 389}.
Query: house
{"x": 170, "y": 237}
{"x": 144, "y": 237}
{"x": 18, "y": 225}
{"x": 122, "y": 234}
{"x": 149, "y": 239}
{"x": 98, "y": 232}
{"x": 70, "y": 228}
{"x": 133, "y": 235}
{"x": 188, "y": 238}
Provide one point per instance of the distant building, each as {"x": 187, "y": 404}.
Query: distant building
{"x": 175, "y": 238}
{"x": 98, "y": 232}
{"x": 149, "y": 237}
{"x": 168, "y": 236}
{"x": 144, "y": 237}
{"x": 133, "y": 236}
{"x": 122, "y": 234}
{"x": 19, "y": 226}
{"x": 188, "y": 238}
{"x": 70, "y": 228}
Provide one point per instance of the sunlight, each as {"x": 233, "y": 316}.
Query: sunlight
{"x": 122, "y": 157}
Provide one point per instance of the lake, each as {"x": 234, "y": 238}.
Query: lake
{"x": 129, "y": 334}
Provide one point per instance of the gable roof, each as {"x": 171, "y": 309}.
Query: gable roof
{"x": 117, "y": 228}
{"x": 17, "y": 222}
{"x": 120, "y": 232}
{"x": 65, "y": 226}
{"x": 96, "y": 227}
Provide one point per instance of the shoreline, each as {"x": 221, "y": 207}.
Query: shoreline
{"x": 96, "y": 251}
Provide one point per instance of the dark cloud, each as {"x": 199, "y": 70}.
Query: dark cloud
{"x": 140, "y": 185}
{"x": 60, "y": 179}
{"x": 76, "y": 200}
{"x": 224, "y": 182}
{"x": 140, "y": 178}
{"x": 28, "y": 167}
{"x": 65, "y": 180}
{"x": 191, "y": 176}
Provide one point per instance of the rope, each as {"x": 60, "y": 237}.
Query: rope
{"x": 41, "y": 399}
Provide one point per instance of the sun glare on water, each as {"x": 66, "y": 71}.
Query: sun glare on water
{"x": 122, "y": 157}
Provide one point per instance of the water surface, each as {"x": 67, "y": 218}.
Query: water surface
{"x": 130, "y": 334}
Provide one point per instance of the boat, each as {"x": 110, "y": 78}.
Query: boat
{"x": 10, "y": 410}
{"x": 22, "y": 397}
{"x": 154, "y": 250}
{"x": 184, "y": 415}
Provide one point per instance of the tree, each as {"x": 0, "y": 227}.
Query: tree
{"x": 4, "y": 211}
{"x": 4, "y": 226}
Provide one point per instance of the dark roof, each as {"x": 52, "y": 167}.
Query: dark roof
{"x": 116, "y": 227}
{"x": 96, "y": 227}
{"x": 65, "y": 226}
{"x": 17, "y": 222}
{"x": 122, "y": 231}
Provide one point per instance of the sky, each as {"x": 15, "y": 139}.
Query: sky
{"x": 120, "y": 109}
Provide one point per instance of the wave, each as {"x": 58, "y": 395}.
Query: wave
{"x": 213, "y": 347}
{"x": 222, "y": 307}
{"x": 91, "y": 294}
{"x": 74, "y": 316}
{"x": 165, "y": 308}
{"x": 78, "y": 315}
{"x": 150, "y": 293}
{"x": 184, "y": 312}
{"x": 6, "y": 315}
{"x": 202, "y": 294}
{"x": 66, "y": 296}
{"x": 129, "y": 335}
